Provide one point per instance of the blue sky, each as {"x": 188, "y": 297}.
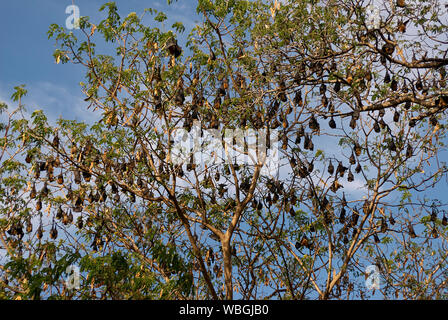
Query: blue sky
{"x": 26, "y": 56}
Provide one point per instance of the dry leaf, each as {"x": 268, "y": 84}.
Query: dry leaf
{"x": 92, "y": 31}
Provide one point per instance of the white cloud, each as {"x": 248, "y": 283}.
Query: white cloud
{"x": 55, "y": 100}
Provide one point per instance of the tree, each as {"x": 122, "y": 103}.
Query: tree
{"x": 142, "y": 224}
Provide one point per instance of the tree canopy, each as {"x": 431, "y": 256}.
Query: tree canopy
{"x": 349, "y": 114}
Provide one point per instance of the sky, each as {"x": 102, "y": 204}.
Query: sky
{"x": 26, "y": 55}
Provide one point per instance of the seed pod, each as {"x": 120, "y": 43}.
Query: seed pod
{"x": 409, "y": 151}
{"x": 79, "y": 223}
{"x": 335, "y": 186}
{"x": 419, "y": 85}
{"x": 38, "y": 205}
{"x": 337, "y": 86}
{"x": 305, "y": 242}
{"x": 383, "y": 225}
{"x": 352, "y": 159}
{"x": 411, "y": 231}
{"x": 310, "y": 166}
{"x": 53, "y": 233}
{"x": 33, "y": 191}
{"x": 343, "y": 201}
{"x": 353, "y": 123}
{"x": 342, "y": 215}
{"x": 293, "y": 162}
{"x": 268, "y": 199}
{"x": 86, "y": 175}
{"x": 407, "y": 105}
{"x": 375, "y": 238}
{"x": 59, "y": 213}
{"x": 355, "y": 217}
{"x": 73, "y": 150}
{"x": 396, "y": 116}
{"x": 350, "y": 176}
{"x": 388, "y": 48}
{"x": 433, "y": 214}
{"x": 322, "y": 89}
{"x": 401, "y": 3}
{"x": 37, "y": 172}
{"x": 284, "y": 142}
{"x": 391, "y": 145}
{"x": 314, "y": 125}
{"x": 357, "y": 149}
{"x": 303, "y": 173}
{"x": 391, "y": 220}
{"x": 44, "y": 191}
{"x": 29, "y": 227}
{"x": 282, "y": 96}
{"x": 324, "y": 101}
{"x": 434, "y": 232}
{"x": 180, "y": 97}
{"x": 332, "y": 123}
{"x": 433, "y": 120}
{"x": 78, "y": 201}
{"x": 77, "y": 176}
{"x": 376, "y": 127}
{"x": 28, "y": 157}
{"x": 301, "y": 131}
{"x": 310, "y": 144}
{"x": 39, "y": 233}
{"x": 91, "y": 197}
{"x": 394, "y": 85}
{"x": 405, "y": 88}
{"x": 298, "y": 98}
{"x": 64, "y": 218}
{"x": 60, "y": 178}
{"x": 56, "y": 142}
{"x": 254, "y": 203}
{"x": 173, "y": 48}
{"x": 70, "y": 217}
{"x": 341, "y": 169}
{"x": 387, "y": 77}
{"x": 292, "y": 212}
{"x": 330, "y": 168}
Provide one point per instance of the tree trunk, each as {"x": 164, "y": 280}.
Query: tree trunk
{"x": 227, "y": 259}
